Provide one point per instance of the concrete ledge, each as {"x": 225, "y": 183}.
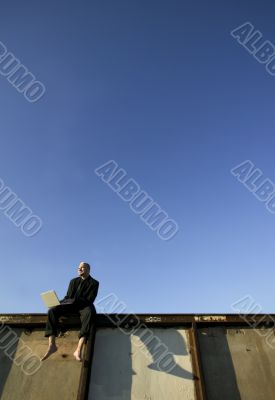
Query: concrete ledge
{"x": 125, "y": 320}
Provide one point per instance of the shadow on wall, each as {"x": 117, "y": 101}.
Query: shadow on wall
{"x": 171, "y": 340}
{"x": 112, "y": 365}
{"x": 217, "y": 364}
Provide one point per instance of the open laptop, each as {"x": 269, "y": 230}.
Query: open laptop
{"x": 50, "y": 298}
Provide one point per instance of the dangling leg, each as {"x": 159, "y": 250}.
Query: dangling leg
{"x": 51, "y": 349}
{"x": 51, "y": 328}
{"x": 86, "y": 316}
{"x": 78, "y": 351}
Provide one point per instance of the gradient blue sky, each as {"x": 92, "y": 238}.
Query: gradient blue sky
{"x": 162, "y": 88}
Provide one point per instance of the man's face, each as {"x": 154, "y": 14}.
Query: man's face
{"x": 83, "y": 270}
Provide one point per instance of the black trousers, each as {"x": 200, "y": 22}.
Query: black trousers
{"x": 87, "y": 318}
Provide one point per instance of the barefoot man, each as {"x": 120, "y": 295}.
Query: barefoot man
{"x": 81, "y": 294}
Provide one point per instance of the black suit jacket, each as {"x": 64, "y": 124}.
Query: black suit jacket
{"x": 86, "y": 295}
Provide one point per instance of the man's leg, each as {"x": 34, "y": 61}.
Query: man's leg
{"x": 51, "y": 327}
{"x": 51, "y": 331}
{"x": 52, "y": 348}
{"x": 78, "y": 350}
{"x": 52, "y": 321}
{"x": 87, "y": 316}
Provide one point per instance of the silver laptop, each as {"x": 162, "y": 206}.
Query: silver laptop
{"x": 50, "y": 298}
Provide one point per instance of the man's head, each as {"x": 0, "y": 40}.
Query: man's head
{"x": 83, "y": 270}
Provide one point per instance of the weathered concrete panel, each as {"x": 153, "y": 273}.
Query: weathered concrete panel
{"x": 55, "y": 379}
{"x": 126, "y": 368}
{"x": 238, "y": 363}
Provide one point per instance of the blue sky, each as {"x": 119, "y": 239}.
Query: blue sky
{"x": 162, "y": 88}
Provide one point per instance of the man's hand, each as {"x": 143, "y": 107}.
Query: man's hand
{"x": 67, "y": 301}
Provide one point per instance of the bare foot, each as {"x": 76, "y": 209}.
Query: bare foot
{"x": 77, "y": 355}
{"x": 51, "y": 349}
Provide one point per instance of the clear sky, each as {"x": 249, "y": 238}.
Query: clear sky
{"x": 164, "y": 90}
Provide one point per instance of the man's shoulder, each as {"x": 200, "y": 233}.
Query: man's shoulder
{"x": 94, "y": 281}
{"x": 74, "y": 280}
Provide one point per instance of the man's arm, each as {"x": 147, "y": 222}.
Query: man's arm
{"x": 70, "y": 290}
{"x": 92, "y": 295}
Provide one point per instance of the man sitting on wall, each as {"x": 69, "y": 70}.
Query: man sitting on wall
{"x": 80, "y": 296}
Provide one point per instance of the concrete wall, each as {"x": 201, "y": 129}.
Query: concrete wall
{"x": 238, "y": 363}
{"x": 125, "y": 367}
{"x": 55, "y": 379}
